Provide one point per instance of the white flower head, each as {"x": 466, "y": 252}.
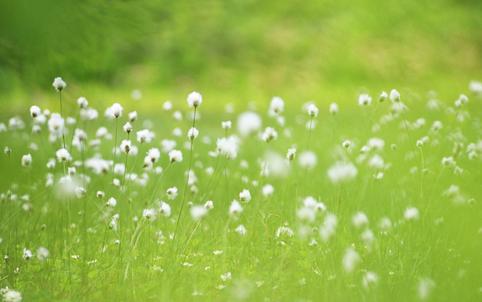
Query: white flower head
{"x": 334, "y": 108}
{"x": 277, "y": 105}
{"x": 111, "y": 202}
{"x": 198, "y": 212}
{"x": 307, "y": 159}
{"x": 267, "y": 190}
{"x": 145, "y": 136}
{"x": 341, "y": 172}
{"x": 26, "y": 160}
{"x": 175, "y": 156}
{"x": 269, "y": 134}
{"x": 350, "y": 260}
{"x": 126, "y": 146}
{"x": 42, "y": 253}
{"x": 63, "y": 155}
{"x": 192, "y": 133}
{"x": 411, "y": 213}
{"x": 394, "y": 95}
{"x": 228, "y": 146}
{"x": 312, "y": 110}
{"x": 82, "y": 102}
{"x": 59, "y": 84}
{"x": 248, "y": 123}
{"x": 360, "y": 219}
{"x": 291, "y": 154}
{"x": 115, "y": 110}
{"x": 149, "y": 214}
{"x": 245, "y": 195}
{"x": 226, "y": 125}
{"x": 35, "y": 111}
{"x": 132, "y": 116}
{"x": 235, "y": 208}
{"x": 10, "y": 295}
{"x": 369, "y": 279}
{"x": 165, "y": 209}
{"x": 172, "y": 193}
{"x": 27, "y": 254}
{"x": 383, "y": 96}
{"x": 127, "y": 127}
{"x": 194, "y": 99}
{"x": 364, "y": 99}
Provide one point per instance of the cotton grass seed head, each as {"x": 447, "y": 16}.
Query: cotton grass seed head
{"x": 26, "y": 160}
{"x": 59, "y": 84}
{"x": 194, "y": 99}
{"x": 364, "y": 99}
{"x": 175, "y": 156}
{"x": 35, "y": 111}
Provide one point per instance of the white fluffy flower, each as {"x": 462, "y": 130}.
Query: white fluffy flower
{"x": 165, "y": 209}
{"x": 269, "y": 134}
{"x": 26, "y": 160}
{"x": 198, "y": 212}
{"x": 35, "y": 111}
{"x": 111, "y": 202}
{"x": 291, "y": 154}
{"x": 127, "y": 127}
{"x": 307, "y": 159}
{"x": 245, "y": 195}
{"x": 132, "y": 116}
{"x": 369, "y": 278}
{"x": 248, "y": 123}
{"x": 342, "y": 171}
{"x": 126, "y": 146}
{"x": 334, "y": 108}
{"x": 277, "y": 105}
{"x": 63, "y": 155}
{"x": 42, "y": 253}
{"x": 153, "y": 155}
{"x": 114, "y": 111}
{"x": 145, "y": 136}
{"x": 59, "y": 84}
{"x": 235, "y": 208}
{"x": 241, "y": 230}
{"x": 359, "y": 219}
{"x": 226, "y": 125}
{"x": 27, "y": 254}
{"x": 328, "y": 227}
{"x": 194, "y": 99}
{"x": 312, "y": 110}
{"x": 56, "y": 123}
{"x": 209, "y": 204}
{"x": 82, "y": 102}
{"x": 411, "y": 213}
{"x": 171, "y": 193}
{"x": 10, "y": 295}
{"x": 175, "y": 156}
{"x": 383, "y": 96}
{"x": 350, "y": 260}
{"x": 394, "y": 95}
{"x": 192, "y": 133}
{"x": 267, "y": 190}
{"x": 364, "y": 99}
{"x": 228, "y": 146}
{"x": 149, "y": 214}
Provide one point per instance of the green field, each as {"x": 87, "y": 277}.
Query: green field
{"x": 289, "y": 249}
{"x": 325, "y": 193}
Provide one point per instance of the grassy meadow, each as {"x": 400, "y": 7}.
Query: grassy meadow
{"x": 332, "y": 151}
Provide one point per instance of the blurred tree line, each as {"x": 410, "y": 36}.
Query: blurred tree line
{"x": 164, "y": 41}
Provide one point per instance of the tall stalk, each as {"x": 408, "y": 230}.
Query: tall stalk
{"x": 188, "y": 176}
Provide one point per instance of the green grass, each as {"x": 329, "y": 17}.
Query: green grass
{"x": 443, "y": 244}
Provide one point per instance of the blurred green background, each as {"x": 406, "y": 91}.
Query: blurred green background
{"x": 238, "y": 49}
